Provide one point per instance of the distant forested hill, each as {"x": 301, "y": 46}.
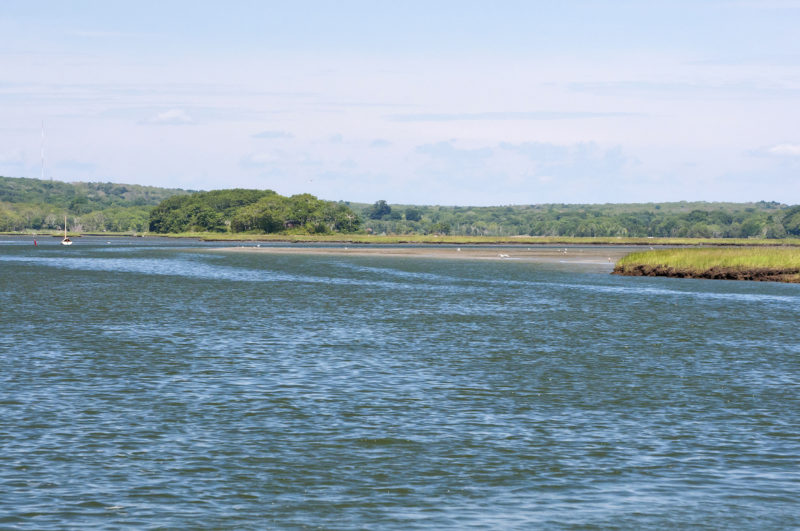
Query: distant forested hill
{"x": 79, "y": 198}
{"x": 34, "y": 204}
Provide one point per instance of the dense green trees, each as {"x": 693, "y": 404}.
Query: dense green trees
{"x": 413, "y": 214}
{"x": 380, "y": 210}
{"x": 791, "y": 221}
{"x": 241, "y": 210}
{"x": 202, "y": 211}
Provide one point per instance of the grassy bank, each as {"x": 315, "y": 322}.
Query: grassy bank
{"x": 736, "y": 263}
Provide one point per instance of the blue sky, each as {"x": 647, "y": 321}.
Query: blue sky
{"x": 435, "y": 102}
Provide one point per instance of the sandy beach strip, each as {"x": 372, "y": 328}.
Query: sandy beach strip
{"x": 576, "y": 255}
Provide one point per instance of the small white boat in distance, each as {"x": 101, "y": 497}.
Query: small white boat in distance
{"x": 66, "y": 241}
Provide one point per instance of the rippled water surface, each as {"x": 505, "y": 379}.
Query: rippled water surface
{"x": 151, "y": 384}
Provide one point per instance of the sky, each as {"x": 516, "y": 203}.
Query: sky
{"x": 414, "y": 102}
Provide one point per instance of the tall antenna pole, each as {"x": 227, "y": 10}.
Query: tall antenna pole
{"x": 43, "y": 150}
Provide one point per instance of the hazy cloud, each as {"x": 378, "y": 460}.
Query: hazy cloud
{"x": 791, "y": 150}
{"x": 273, "y": 134}
{"x": 447, "y": 164}
{"x": 171, "y": 117}
{"x": 578, "y": 160}
{"x": 503, "y": 116}
{"x": 446, "y": 150}
{"x": 257, "y": 160}
{"x": 703, "y": 89}
{"x": 380, "y": 143}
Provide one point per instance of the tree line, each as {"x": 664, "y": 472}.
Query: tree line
{"x": 33, "y": 204}
{"x": 680, "y": 219}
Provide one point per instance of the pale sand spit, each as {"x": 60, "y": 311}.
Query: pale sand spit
{"x": 576, "y": 255}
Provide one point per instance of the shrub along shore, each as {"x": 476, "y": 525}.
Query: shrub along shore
{"x": 777, "y": 264}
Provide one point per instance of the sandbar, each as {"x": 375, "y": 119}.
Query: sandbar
{"x": 575, "y": 255}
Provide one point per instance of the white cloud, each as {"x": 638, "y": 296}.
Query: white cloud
{"x": 792, "y": 150}
{"x": 171, "y": 117}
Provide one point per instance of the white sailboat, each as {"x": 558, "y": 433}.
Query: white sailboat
{"x": 66, "y": 241}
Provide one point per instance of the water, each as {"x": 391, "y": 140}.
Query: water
{"x": 155, "y": 384}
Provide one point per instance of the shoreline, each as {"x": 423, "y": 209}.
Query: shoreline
{"x": 514, "y": 241}
{"x": 436, "y": 240}
{"x": 791, "y": 276}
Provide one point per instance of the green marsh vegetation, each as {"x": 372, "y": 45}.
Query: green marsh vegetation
{"x": 739, "y": 263}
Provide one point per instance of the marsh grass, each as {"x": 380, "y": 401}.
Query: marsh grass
{"x": 703, "y": 259}
{"x": 779, "y": 264}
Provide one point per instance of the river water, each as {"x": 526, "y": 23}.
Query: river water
{"x": 154, "y": 383}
